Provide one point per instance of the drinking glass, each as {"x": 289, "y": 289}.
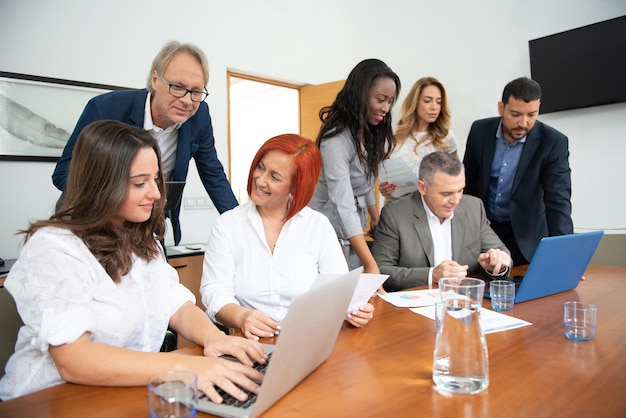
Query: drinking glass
{"x": 580, "y": 320}
{"x": 502, "y": 294}
{"x": 173, "y": 394}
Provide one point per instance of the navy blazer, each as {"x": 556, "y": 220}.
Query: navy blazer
{"x": 540, "y": 203}
{"x": 403, "y": 245}
{"x": 195, "y": 140}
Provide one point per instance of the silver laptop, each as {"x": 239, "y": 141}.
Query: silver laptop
{"x": 557, "y": 265}
{"x": 307, "y": 337}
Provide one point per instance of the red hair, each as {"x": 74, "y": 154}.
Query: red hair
{"x": 307, "y": 160}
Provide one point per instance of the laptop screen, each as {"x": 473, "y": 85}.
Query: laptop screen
{"x": 173, "y": 193}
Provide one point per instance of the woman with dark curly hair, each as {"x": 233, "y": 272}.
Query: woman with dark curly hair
{"x": 355, "y": 137}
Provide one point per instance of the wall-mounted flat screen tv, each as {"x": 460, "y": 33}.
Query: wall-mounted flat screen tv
{"x": 581, "y": 67}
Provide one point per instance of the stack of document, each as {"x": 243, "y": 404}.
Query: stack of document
{"x": 423, "y": 302}
{"x": 396, "y": 171}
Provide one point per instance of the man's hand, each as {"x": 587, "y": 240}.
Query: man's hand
{"x": 449, "y": 268}
{"x": 494, "y": 261}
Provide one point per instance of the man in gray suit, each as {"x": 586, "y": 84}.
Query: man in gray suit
{"x": 436, "y": 232}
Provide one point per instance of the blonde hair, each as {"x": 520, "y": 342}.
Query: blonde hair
{"x": 409, "y": 121}
{"x": 168, "y": 52}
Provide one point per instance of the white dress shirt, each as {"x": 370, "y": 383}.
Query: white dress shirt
{"x": 166, "y": 138}
{"x": 240, "y": 268}
{"x": 441, "y": 234}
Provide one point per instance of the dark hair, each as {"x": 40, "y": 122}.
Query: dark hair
{"x": 349, "y": 111}
{"x": 439, "y": 161}
{"x": 97, "y": 185}
{"x": 307, "y": 160}
{"x": 522, "y": 88}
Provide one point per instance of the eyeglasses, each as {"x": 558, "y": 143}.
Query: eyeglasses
{"x": 180, "y": 91}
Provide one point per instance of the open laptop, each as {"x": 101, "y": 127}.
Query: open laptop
{"x": 173, "y": 194}
{"x": 307, "y": 337}
{"x": 557, "y": 265}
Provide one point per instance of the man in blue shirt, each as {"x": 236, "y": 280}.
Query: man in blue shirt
{"x": 519, "y": 167}
{"x": 173, "y": 109}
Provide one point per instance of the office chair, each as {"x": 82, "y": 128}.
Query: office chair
{"x": 10, "y": 323}
{"x": 170, "y": 342}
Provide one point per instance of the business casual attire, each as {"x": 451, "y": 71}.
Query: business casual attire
{"x": 240, "y": 268}
{"x": 62, "y": 291}
{"x": 404, "y": 247}
{"x": 526, "y": 186}
{"x": 344, "y": 191}
{"x": 413, "y": 150}
{"x": 195, "y": 140}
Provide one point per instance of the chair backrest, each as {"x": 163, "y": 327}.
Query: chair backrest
{"x": 10, "y": 323}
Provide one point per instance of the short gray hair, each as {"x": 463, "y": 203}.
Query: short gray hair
{"x": 169, "y": 51}
{"x": 439, "y": 161}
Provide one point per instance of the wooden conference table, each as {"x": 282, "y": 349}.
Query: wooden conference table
{"x": 385, "y": 369}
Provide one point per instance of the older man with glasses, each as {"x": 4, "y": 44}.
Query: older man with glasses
{"x": 173, "y": 109}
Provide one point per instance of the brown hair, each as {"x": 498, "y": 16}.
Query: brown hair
{"x": 97, "y": 185}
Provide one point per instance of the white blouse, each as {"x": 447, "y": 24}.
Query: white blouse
{"x": 240, "y": 268}
{"x": 413, "y": 157}
{"x": 62, "y": 291}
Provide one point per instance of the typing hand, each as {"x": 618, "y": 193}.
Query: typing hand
{"x": 246, "y": 351}
{"x": 228, "y": 375}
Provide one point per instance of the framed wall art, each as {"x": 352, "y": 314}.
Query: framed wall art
{"x": 38, "y": 114}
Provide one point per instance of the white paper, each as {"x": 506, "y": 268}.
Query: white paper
{"x": 491, "y": 321}
{"x": 395, "y": 170}
{"x": 412, "y": 298}
{"x": 366, "y": 287}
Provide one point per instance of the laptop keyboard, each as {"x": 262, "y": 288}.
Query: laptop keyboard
{"x": 231, "y": 400}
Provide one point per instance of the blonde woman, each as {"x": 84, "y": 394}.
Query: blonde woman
{"x": 424, "y": 127}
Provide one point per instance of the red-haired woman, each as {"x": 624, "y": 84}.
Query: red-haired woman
{"x": 263, "y": 253}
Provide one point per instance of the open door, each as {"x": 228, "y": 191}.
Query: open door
{"x": 312, "y": 99}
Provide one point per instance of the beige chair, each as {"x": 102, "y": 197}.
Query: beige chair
{"x": 10, "y": 323}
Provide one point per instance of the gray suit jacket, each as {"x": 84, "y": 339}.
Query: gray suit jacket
{"x": 403, "y": 245}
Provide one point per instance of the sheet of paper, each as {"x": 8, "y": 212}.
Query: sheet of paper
{"x": 412, "y": 298}
{"x": 365, "y": 288}
{"x": 491, "y": 321}
{"x": 395, "y": 170}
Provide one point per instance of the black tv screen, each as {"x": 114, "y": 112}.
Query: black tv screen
{"x": 581, "y": 67}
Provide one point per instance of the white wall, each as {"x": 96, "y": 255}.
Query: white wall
{"x": 473, "y": 47}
